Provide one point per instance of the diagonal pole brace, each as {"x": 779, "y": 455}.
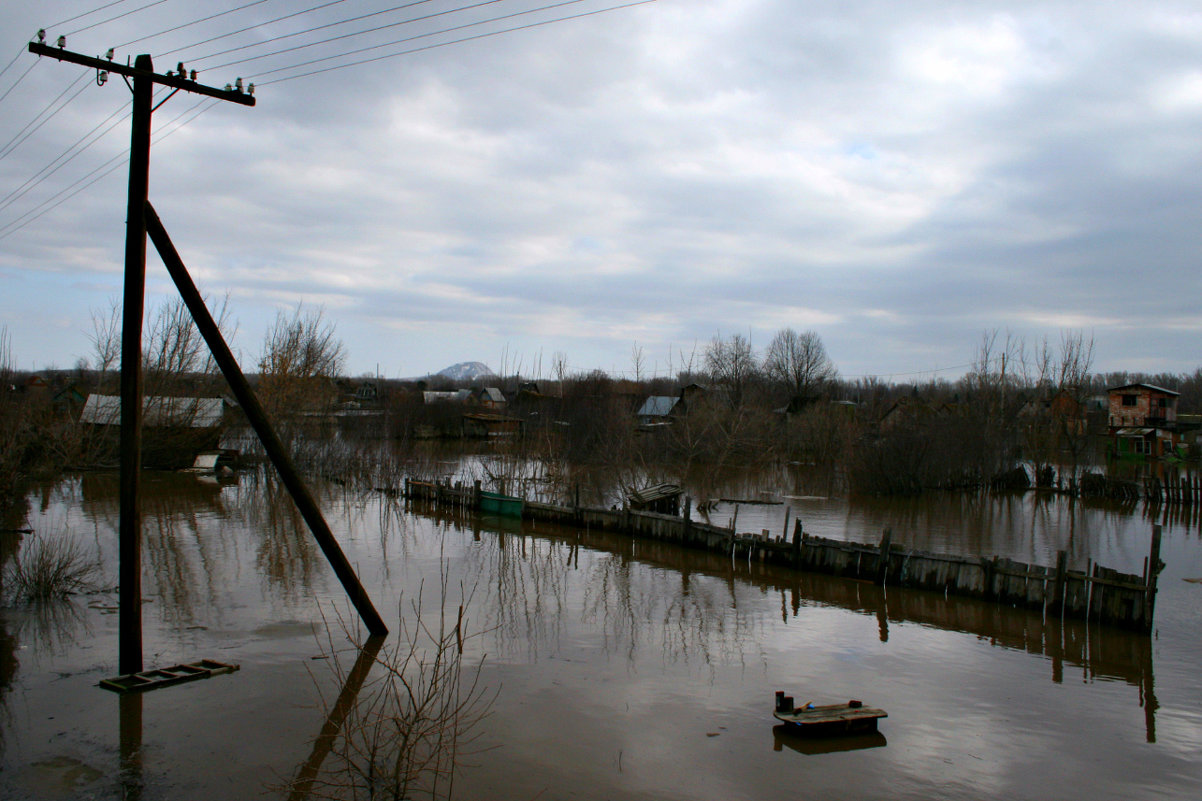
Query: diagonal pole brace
{"x": 261, "y": 424}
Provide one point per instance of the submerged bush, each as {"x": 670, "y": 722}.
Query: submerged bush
{"x": 46, "y": 568}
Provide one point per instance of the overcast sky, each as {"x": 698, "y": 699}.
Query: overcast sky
{"x": 899, "y": 177}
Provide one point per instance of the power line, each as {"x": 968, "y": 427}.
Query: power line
{"x": 193, "y": 22}
{"x": 63, "y": 195}
{"x": 18, "y": 81}
{"x": 42, "y": 174}
{"x": 252, "y": 27}
{"x": 454, "y": 41}
{"x": 372, "y": 30}
{"x": 87, "y": 13}
{"x": 310, "y": 30}
{"x": 20, "y": 50}
{"x": 119, "y": 16}
{"x": 10, "y": 147}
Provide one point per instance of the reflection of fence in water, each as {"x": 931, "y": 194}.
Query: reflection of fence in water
{"x": 1098, "y": 652}
{"x": 1097, "y": 593}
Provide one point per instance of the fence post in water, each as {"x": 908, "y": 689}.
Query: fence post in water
{"x": 476, "y": 495}
{"x": 882, "y": 569}
{"x": 797, "y": 543}
{"x": 987, "y": 568}
{"x": 1153, "y": 571}
{"x": 1057, "y": 603}
{"x": 688, "y": 520}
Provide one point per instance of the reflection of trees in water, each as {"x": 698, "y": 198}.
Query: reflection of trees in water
{"x": 525, "y": 583}
{"x": 535, "y": 583}
{"x": 285, "y": 551}
{"x": 694, "y": 619}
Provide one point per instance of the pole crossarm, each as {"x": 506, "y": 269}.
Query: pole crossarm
{"x": 175, "y": 81}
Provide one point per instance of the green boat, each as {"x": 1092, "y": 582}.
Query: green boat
{"x": 494, "y": 503}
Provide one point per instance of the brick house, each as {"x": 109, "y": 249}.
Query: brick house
{"x": 1143, "y": 420}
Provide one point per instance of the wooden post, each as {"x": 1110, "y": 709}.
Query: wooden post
{"x": 987, "y": 567}
{"x": 262, "y": 425}
{"x": 1153, "y": 572}
{"x": 797, "y": 542}
{"x": 1058, "y": 587}
{"x": 882, "y": 571}
{"x": 129, "y": 526}
{"x": 687, "y": 525}
{"x": 476, "y": 495}
{"x": 785, "y": 533}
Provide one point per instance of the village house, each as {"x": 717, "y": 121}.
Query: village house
{"x": 1143, "y": 421}
{"x": 659, "y": 410}
{"x": 490, "y": 398}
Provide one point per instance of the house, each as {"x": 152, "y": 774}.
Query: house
{"x": 175, "y": 429}
{"x": 489, "y": 425}
{"x": 1142, "y": 420}
{"x": 659, "y": 410}
{"x": 456, "y": 396}
{"x": 489, "y": 398}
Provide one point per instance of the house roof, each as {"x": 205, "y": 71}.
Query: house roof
{"x": 457, "y": 396}
{"x": 105, "y": 410}
{"x": 1152, "y": 387}
{"x": 658, "y": 406}
{"x": 493, "y": 394}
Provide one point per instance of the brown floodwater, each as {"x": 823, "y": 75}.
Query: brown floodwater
{"x": 616, "y": 668}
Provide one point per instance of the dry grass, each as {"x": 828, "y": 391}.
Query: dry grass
{"x": 46, "y": 568}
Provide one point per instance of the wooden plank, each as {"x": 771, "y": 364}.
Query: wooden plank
{"x": 165, "y": 677}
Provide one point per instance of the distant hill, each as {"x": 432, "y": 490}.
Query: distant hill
{"x": 467, "y": 372}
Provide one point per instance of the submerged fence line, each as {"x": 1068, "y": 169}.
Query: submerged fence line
{"x": 1094, "y": 594}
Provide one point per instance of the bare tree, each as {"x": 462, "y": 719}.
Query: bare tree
{"x": 172, "y": 347}
{"x": 106, "y": 336}
{"x": 302, "y": 356}
{"x": 731, "y": 363}
{"x": 638, "y": 361}
{"x": 799, "y": 361}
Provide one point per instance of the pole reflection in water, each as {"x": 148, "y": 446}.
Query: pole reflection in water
{"x": 131, "y": 745}
{"x": 302, "y": 785}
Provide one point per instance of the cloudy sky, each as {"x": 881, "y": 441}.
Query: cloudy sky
{"x": 899, "y": 177}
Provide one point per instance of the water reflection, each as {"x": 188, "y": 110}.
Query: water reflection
{"x": 786, "y": 736}
{"x": 693, "y": 603}
{"x": 627, "y": 644}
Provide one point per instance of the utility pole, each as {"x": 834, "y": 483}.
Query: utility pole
{"x": 129, "y": 527}
{"x": 130, "y": 524}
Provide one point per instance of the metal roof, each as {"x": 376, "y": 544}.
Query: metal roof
{"x": 105, "y": 410}
{"x": 658, "y": 406}
{"x": 1152, "y": 387}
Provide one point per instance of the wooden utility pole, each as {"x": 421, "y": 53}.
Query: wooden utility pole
{"x": 130, "y": 525}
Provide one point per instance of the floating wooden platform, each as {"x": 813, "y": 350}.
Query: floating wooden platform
{"x": 165, "y": 677}
{"x": 829, "y": 718}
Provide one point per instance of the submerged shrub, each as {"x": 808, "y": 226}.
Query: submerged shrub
{"x": 46, "y": 568}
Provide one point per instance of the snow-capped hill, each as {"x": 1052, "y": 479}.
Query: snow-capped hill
{"x": 466, "y": 371}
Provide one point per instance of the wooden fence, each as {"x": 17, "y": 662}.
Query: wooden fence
{"x": 1185, "y": 490}
{"x": 1094, "y": 594}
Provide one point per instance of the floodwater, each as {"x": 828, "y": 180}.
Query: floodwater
{"x": 608, "y": 668}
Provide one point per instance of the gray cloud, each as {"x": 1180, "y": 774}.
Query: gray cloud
{"x": 898, "y": 178}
